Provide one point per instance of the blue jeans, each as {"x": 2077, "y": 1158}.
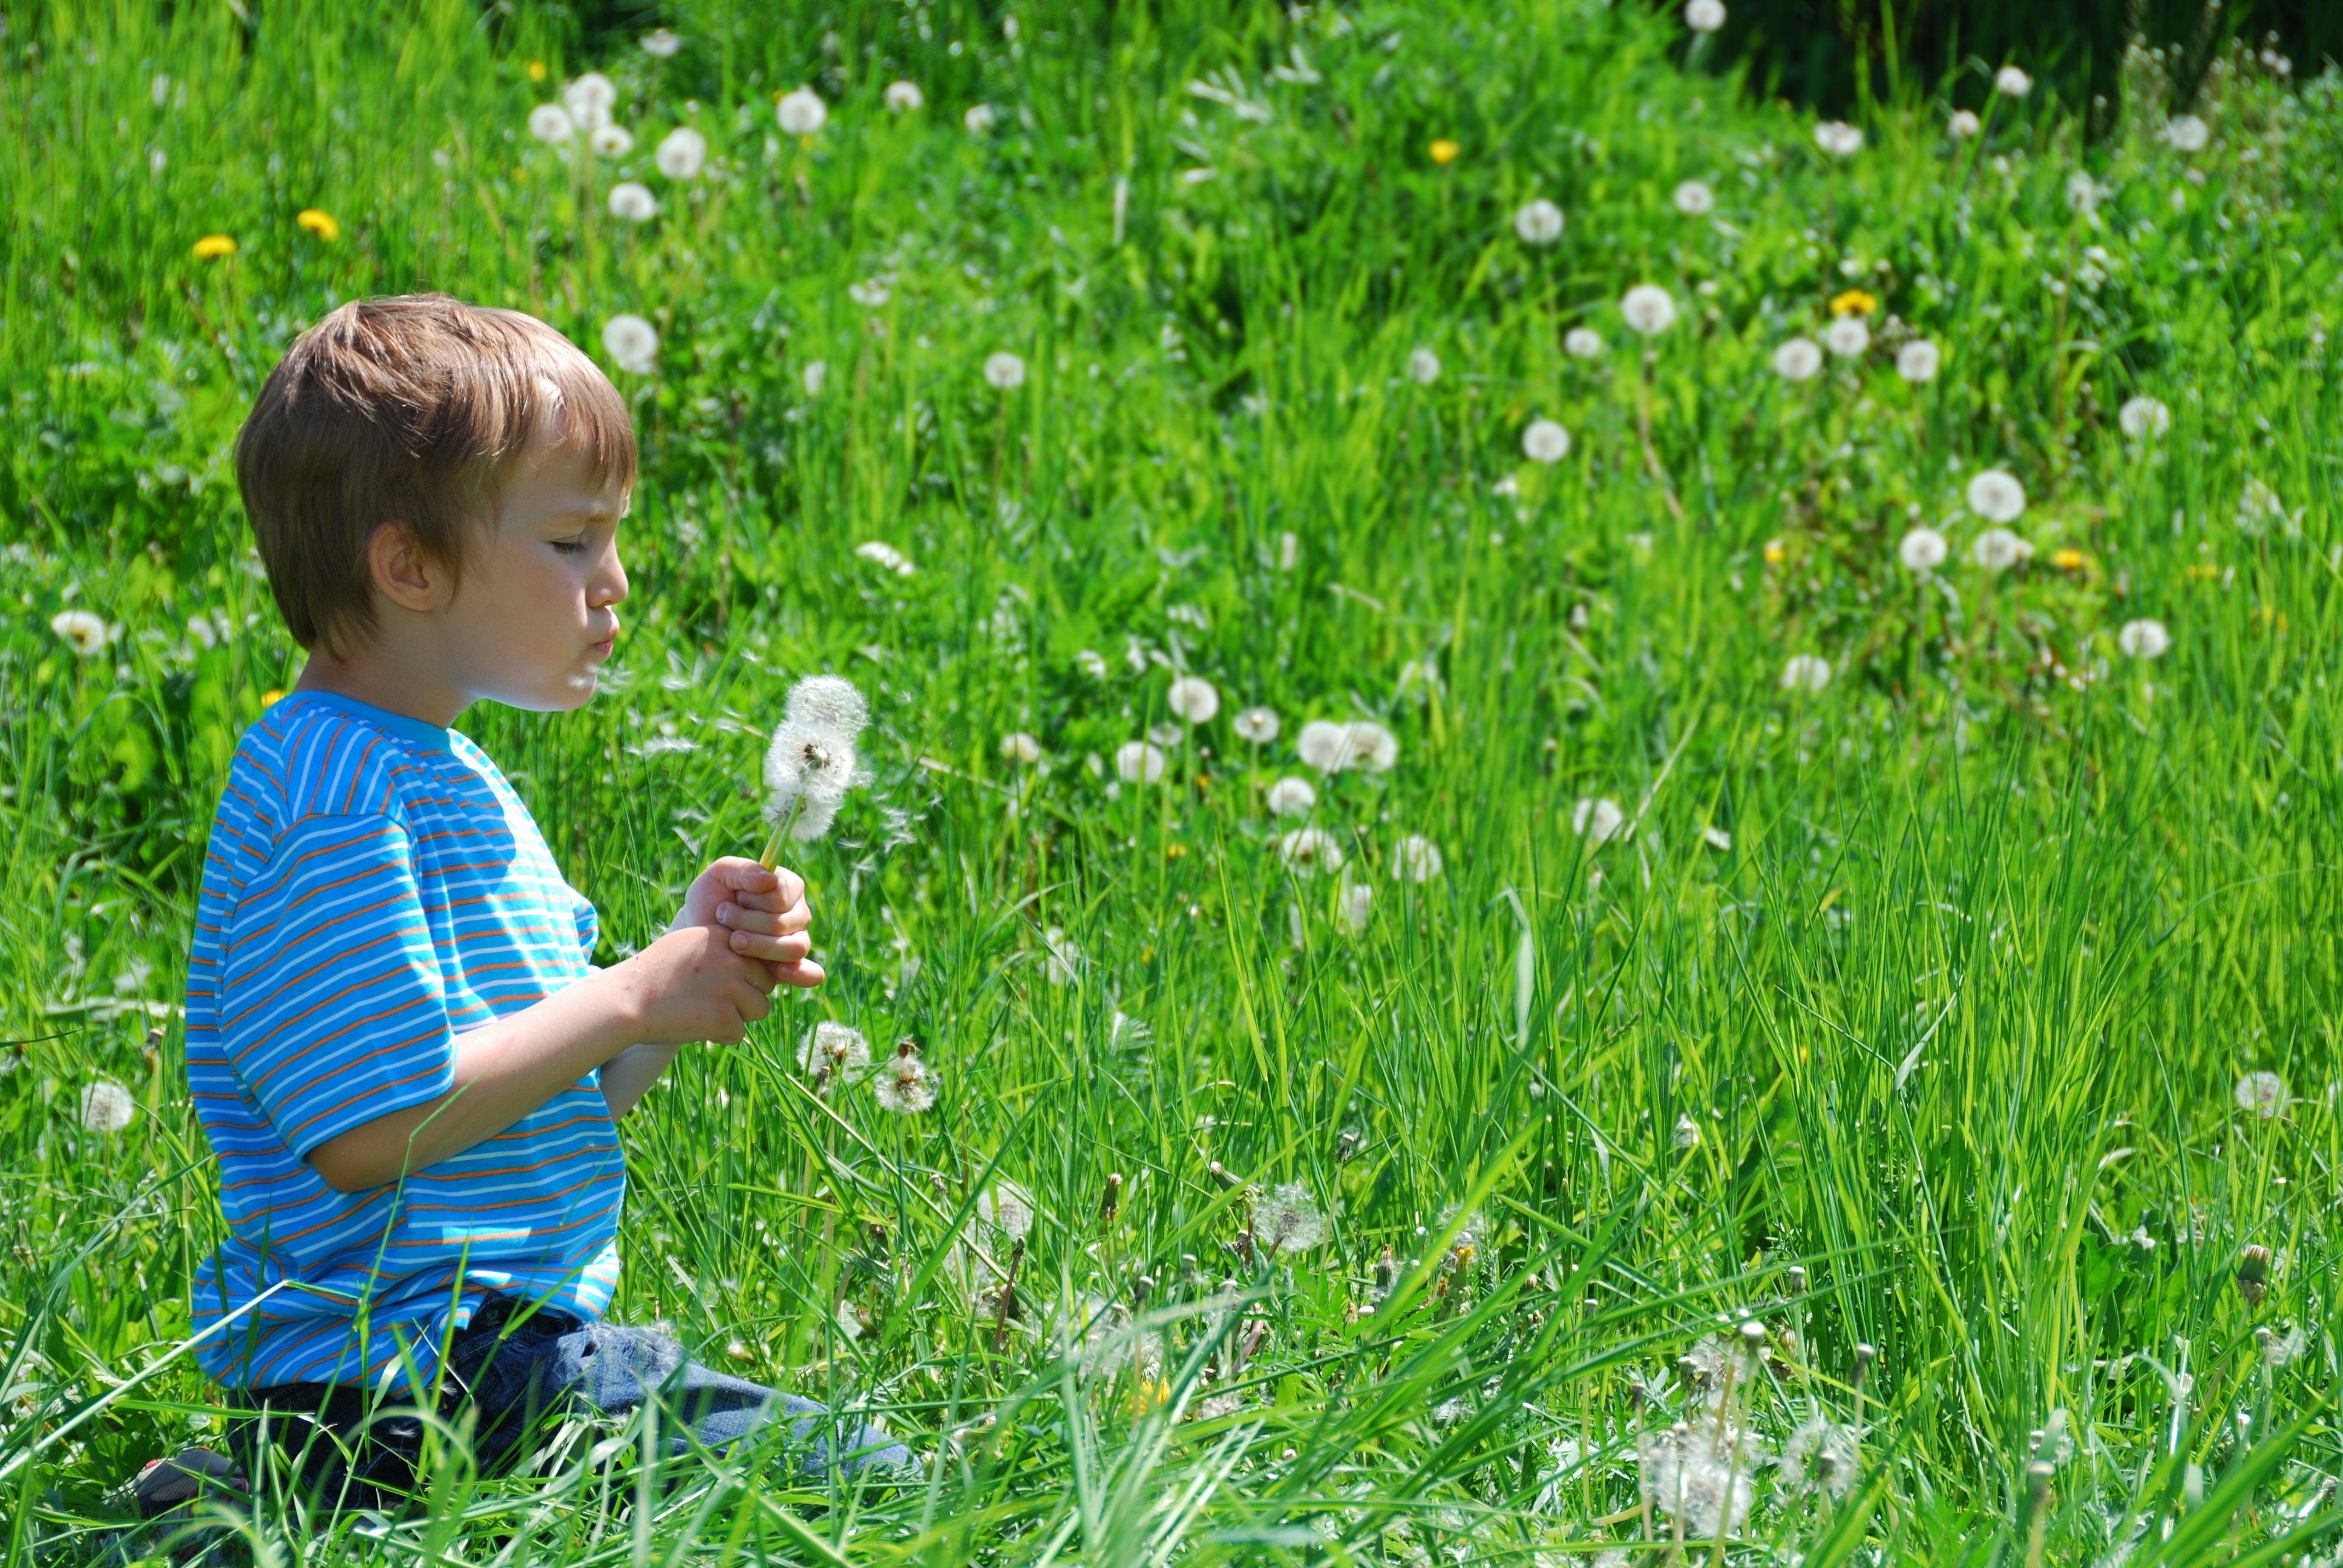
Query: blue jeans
{"x": 519, "y": 1371}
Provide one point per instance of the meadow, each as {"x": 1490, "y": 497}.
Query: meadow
{"x": 1603, "y": 815}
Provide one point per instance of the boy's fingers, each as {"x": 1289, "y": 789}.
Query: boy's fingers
{"x": 771, "y": 950}
{"x": 805, "y": 974}
{"x": 733, "y": 917}
{"x": 743, "y": 875}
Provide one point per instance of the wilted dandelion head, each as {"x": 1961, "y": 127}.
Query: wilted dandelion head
{"x": 903, "y": 1084}
{"x": 1798, "y": 359}
{"x": 1819, "y": 1454}
{"x": 978, "y": 118}
{"x": 1192, "y": 700}
{"x": 1649, "y": 308}
{"x": 2012, "y": 83}
{"x": 2143, "y": 416}
{"x": 590, "y": 100}
{"x": 1962, "y": 125}
{"x": 1583, "y": 342}
{"x": 1918, "y": 360}
{"x": 1307, "y": 851}
{"x": 2142, "y": 639}
{"x": 662, "y": 42}
{"x": 1539, "y": 222}
{"x": 682, "y": 153}
{"x": 902, "y": 97}
{"x": 82, "y": 631}
{"x": 801, "y": 113}
{"x": 1806, "y": 672}
{"x": 1423, "y": 366}
{"x": 1004, "y": 370}
{"x": 632, "y": 200}
{"x": 1021, "y": 748}
{"x": 1597, "y": 819}
{"x": 1838, "y": 138}
{"x": 1693, "y": 198}
{"x": 611, "y": 141}
{"x": 1546, "y": 442}
{"x": 1256, "y": 725}
{"x": 1291, "y": 797}
{"x": 2262, "y": 1093}
{"x": 1416, "y": 859}
{"x": 106, "y": 1105}
{"x": 1998, "y": 549}
{"x": 2186, "y": 133}
{"x": 632, "y": 342}
{"x": 1138, "y": 762}
{"x": 1288, "y": 1219}
{"x": 831, "y": 702}
{"x": 1704, "y": 16}
{"x": 1336, "y": 748}
{"x": 1924, "y": 549}
{"x": 1996, "y": 495}
{"x": 837, "y": 1050}
{"x": 1848, "y": 336}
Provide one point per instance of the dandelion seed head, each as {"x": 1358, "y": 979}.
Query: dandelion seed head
{"x": 837, "y": 1048}
{"x": 1923, "y": 550}
{"x": 1583, "y": 342}
{"x": 1021, "y": 748}
{"x": 1354, "y": 907}
{"x": 2187, "y": 134}
{"x": 662, "y": 42}
{"x": 1693, "y": 198}
{"x": 1336, "y": 748}
{"x": 903, "y": 1085}
{"x": 801, "y": 113}
{"x": 1539, "y": 222}
{"x": 1688, "y": 1134}
{"x": 590, "y": 100}
{"x": 1416, "y": 859}
{"x": 1806, "y": 672}
{"x": 1423, "y": 366}
{"x": 1838, "y": 138}
{"x": 879, "y": 552}
{"x": 978, "y": 118}
{"x": 682, "y": 153}
{"x": 2012, "y": 83}
{"x": 2262, "y": 1093}
{"x": 1798, "y": 359}
{"x": 81, "y": 630}
{"x": 1918, "y": 361}
{"x": 1138, "y": 762}
{"x": 1289, "y": 1220}
{"x": 902, "y": 97}
{"x": 1256, "y": 725}
{"x": 106, "y": 1105}
{"x": 817, "y": 375}
{"x": 1996, "y": 495}
{"x": 1546, "y": 442}
{"x": 1308, "y": 852}
{"x": 1291, "y": 796}
{"x": 1006, "y": 1207}
{"x": 1649, "y": 309}
{"x": 2142, "y": 639}
{"x": 632, "y": 200}
{"x": 1962, "y": 125}
{"x": 1704, "y": 16}
{"x": 1998, "y": 549}
{"x": 829, "y": 702}
{"x": 1597, "y": 819}
{"x": 1848, "y": 336}
{"x": 2143, "y": 416}
{"x": 611, "y": 141}
{"x": 2083, "y": 193}
{"x": 632, "y": 342}
{"x": 1192, "y": 700}
{"x": 1004, "y": 370}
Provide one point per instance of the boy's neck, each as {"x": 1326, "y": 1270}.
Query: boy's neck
{"x": 401, "y": 690}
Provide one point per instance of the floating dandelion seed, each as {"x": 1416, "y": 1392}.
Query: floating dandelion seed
{"x": 1192, "y": 700}
{"x": 682, "y": 153}
{"x": 836, "y": 1049}
{"x": 213, "y": 246}
{"x": 978, "y": 119}
{"x": 816, "y": 374}
{"x": 1798, "y": 361}
{"x": 1693, "y": 198}
{"x": 106, "y": 1105}
{"x": 1004, "y": 370}
{"x": 2012, "y": 83}
{"x": 1918, "y": 361}
{"x": 1583, "y": 342}
{"x": 1838, "y": 138}
{"x": 83, "y": 633}
{"x": 1256, "y": 725}
{"x": 1962, "y": 125}
{"x": 612, "y": 141}
{"x": 632, "y": 200}
{"x": 1998, "y": 549}
{"x": 1138, "y": 762}
{"x": 2263, "y": 1093}
{"x": 1704, "y": 16}
{"x": 1539, "y": 222}
{"x": 322, "y": 223}
{"x": 1423, "y": 366}
{"x": 1648, "y": 309}
{"x": 1806, "y": 672}
{"x": 902, "y": 97}
{"x": 810, "y": 765}
{"x": 2187, "y": 134}
{"x": 1597, "y": 820}
{"x": 1416, "y": 860}
{"x": 880, "y": 553}
{"x": 1996, "y": 495}
{"x": 633, "y": 342}
{"x": 590, "y": 100}
{"x": 662, "y": 42}
{"x": 904, "y": 1085}
{"x": 1291, "y": 797}
{"x": 1924, "y": 549}
{"x": 1546, "y": 442}
{"x": 2142, "y": 417}
{"x": 550, "y": 122}
{"x": 1333, "y": 747}
{"x": 801, "y": 113}
{"x": 1310, "y": 851}
{"x": 2142, "y": 639}
{"x": 1848, "y": 336}
{"x": 1021, "y": 748}
{"x": 1288, "y": 1220}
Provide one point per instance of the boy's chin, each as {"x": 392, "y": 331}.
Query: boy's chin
{"x": 563, "y": 695}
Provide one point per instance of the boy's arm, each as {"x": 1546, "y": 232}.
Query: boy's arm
{"x": 693, "y": 983}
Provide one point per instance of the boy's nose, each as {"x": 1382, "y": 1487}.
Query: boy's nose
{"x": 609, "y": 580}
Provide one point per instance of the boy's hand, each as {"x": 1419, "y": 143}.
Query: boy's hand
{"x": 690, "y": 986}
{"x": 764, "y": 911}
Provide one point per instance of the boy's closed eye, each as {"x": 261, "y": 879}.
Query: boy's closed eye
{"x": 572, "y": 547}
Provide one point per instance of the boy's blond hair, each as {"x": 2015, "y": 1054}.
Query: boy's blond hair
{"x": 410, "y": 409}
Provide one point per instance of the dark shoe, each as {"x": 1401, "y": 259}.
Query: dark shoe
{"x": 165, "y": 1484}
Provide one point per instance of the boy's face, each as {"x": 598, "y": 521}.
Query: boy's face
{"x": 533, "y": 616}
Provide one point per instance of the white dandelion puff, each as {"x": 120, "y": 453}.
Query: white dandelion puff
{"x": 106, "y": 1105}
{"x": 633, "y": 342}
{"x": 1423, "y": 366}
{"x": 1597, "y": 819}
{"x": 810, "y": 764}
{"x": 879, "y": 552}
{"x": 1006, "y": 1209}
{"x": 1704, "y": 16}
{"x": 1288, "y": 1219}
{"x": 1998, "y": 549}
{"x": 1918, "y": 361}
{"x": 1583, "y": 342}
{"x": 1335, "y": 747}
{"x": 551, "y": 124}
{"x": 662, "y": 42}
{"x": 816, "y": 375}
{"x": 1291, "y": 796}
{"x": 902, "y": 97}
{"x": 978, "y": 118}
{"x": 1019, "y": 747}
{"x": 1065, "y": 958}
{"x": 904, "y": 1086}
{"x": 1354, "y": 907}
{"x": 2012, "y": 83}
{"x": 2142, "y": 417}
{"x": 2187, "y": 134}
{"x": 1091, "y": 662}
{"x": 1546, "y": 442}
{"x": 682, "y": 153}
{"x": 871, "y": 293}
{"x": 1962, "y": 125}
{"x": 1192, "y": 700}
{"x": 1820, "y": 1455}
{"x": 1806, "y": 672}
{"x": 2263, "y": 1093}
{"x": 1256, "y": 725}
{"x": 2144, "y": 639}
{"x": 590, "y": 100}
{"x": 1649, "y": 309}
{"x": 1838, "y": 138}
{"x": 1716, "y": 837}
{"x": 1693, "y": 198}
{"x": 1307, "y": 851}
{"x": 1687, "y": 1135}
{"x": 829, "y": 700}
{"x": 611, "y": 141}
{"x": 1416, "y": 859}
{"x": 1138, "y": 762}
{"x": 1004, "y": 370}
{"x": 1539, "y": 222}
{"x": 1848, "y": 336}
{"x": 2084, "y": 192}
{"x": 836, "y": 1048}
{"x": 632, "y": 200}
{"x": 801, "y": 113}
{"x": 82, "y": 631}
{"x": 1798, "y": 359}
{"x": 1923, "y": 550}
{"x": 1996, "y": 495}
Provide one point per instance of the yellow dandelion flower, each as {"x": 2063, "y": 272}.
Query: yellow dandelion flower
{"x": 537, "y": 70}
{"x": 1776, "y": 552}
{"x": 272, "y": 697}
{"x": 1445, "y": 151}
{"x": 1854, "y": 302}
{"x": 1150, "y": 1393}
{"x": 324, "y": 225}
{"x": 2067, "y": 558}
{"x": 214, "y": 246}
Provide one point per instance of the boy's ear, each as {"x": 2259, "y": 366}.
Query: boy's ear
{"x": 402, "y": 572}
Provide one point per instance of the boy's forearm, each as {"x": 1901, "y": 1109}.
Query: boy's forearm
{"x": 628, "y": 1076}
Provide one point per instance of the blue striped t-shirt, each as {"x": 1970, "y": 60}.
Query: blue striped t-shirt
{"x": 372, "y": 889}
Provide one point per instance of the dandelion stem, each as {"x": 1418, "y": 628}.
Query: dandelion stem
{"x": 772, "y": 852}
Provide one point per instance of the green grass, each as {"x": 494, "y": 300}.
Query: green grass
{"x": 1952, "y": 1024}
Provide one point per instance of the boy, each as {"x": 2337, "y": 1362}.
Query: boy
{"x": 397, "y": 1047}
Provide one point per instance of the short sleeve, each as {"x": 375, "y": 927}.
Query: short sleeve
{"x": 589, "y": 926}
{"x": 333, "y": 1011}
